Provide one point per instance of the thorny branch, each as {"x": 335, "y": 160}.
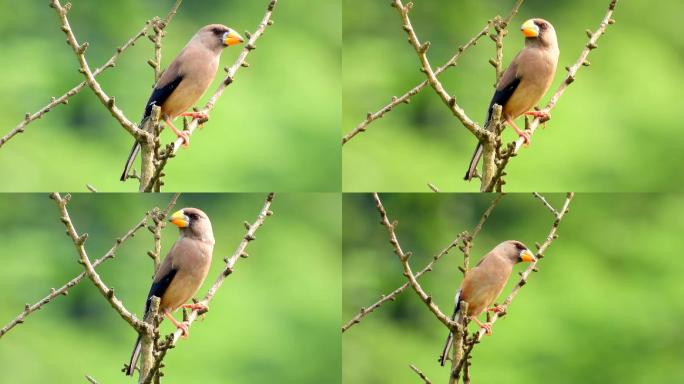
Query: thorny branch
{"x": 158, "y": 26}
{"x": 64, "y": 290}
{"x": 420, "y": 374}
{"x": 465, "y": 237}
{"x": 406, "y": 97}
{"x": 106, "y": 100}
{"x": 421, "y": 50}
{"x": 403, "y": 258}
{"x": 79, "y": 243}
{"x": 64, "y": 99}
{"x": 159, "y": 219}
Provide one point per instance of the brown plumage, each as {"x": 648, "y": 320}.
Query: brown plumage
{"x": 186, "y": 79}
{"x": 183, "y": 270}
{"x": 524, "y": 82}
{"x": 484, "y": 283}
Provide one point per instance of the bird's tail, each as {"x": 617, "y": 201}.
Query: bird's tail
{"x": 134, "y": 151}
{"x": 134, "y": 358}
{"x": 472, "y": 167}
{"x": 130, "y": 160}
{"x": 450, "y": 338}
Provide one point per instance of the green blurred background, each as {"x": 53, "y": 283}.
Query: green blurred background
{"x": 275, "y": 317}
{"x": 606, "y": 306}
{"x": 280, "y": 116}
{"x": 615, "y": 129}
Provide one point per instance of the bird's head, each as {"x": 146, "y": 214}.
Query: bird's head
{"x": 218, "y": 36}
{"x": 539, "y": 31}
{"x": 194, "y": 223}
{"x": 516, "y": 251}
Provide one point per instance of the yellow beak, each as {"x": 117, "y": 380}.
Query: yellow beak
{"x": 232, "y": 38}
{"x": 179, "y": 219}
{"x": 527, "y": 256}
{"x": 530, "y": 29}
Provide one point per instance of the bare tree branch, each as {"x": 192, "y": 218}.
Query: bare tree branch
{"x": 106, "y": 100}
{"x": 107, "y": 293}
{"x": 546, "y": 203}
{"x": 420, "y": 374}
{"x": 159, "y": 219}
{"x": 64, "y": 290}
{"x": 466, "y": 237}
{"x": 406, "y": 97}
{"x": 421, "y": 50}
{"x": 158, "y": 25}
{"x": 392, "y": 296}
{"x": 403, "y": 258}
{"x": 64, "y": 99}
{"x": 501, "y": 32}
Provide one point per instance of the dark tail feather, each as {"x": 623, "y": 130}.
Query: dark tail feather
{"x": 472, "y": 167}
{"x": 134, "y": 358}
{"x": 130, "y": 160}
{"x": 450, "y": 338}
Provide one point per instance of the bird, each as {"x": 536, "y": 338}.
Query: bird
{"x": 524, "y": 82}
{"x": 484, "y": 283}
{"x": 183, "y": 270}
{"x": 186, "y": 79}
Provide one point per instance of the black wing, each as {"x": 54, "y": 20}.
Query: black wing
{"x": 501, "y": 96}
{"x": 159, "y": 287}
{"x": 159, "y": 95}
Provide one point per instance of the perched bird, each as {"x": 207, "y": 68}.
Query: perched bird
{"x": 186, "y": 79}
{"x": 524, "y": 82}
{"x": 183, "y": 270}
{"x": 483, "y": 284}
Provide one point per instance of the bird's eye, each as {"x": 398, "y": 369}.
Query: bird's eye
{"x": 217, "y": 31}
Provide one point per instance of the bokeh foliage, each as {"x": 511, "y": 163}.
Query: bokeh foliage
{"x": 605, "y": 307}
{"x": 615, "y": 129}
{"x": 274, "y": 316}
{"x": 277, "y": 118}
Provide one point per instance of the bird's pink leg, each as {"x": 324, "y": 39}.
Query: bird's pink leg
{"x": 181, "y": 134}
{"x": 541, "y": 115}
{"x": 195, "y": 115}
{"x": 199, "y": 116}
{"x": 182, "y": 326}
{"x": 521, "y": 133}
{"x": 199, "y": 307}
{"x": 497, "y": 309}
{"x": 486, "y": 326}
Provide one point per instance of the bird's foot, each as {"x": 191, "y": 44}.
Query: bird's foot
{"x": 185, "y": 135}
{"x": 185, "y": 328}
{"x": 497, "y": 309}
{"x": 487, "y": 327}
{"x": 201, "y": 117}
{"x": 524, "y": 134}
{"x": 543, "y": 116}
{"x": 199, "y": 307}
